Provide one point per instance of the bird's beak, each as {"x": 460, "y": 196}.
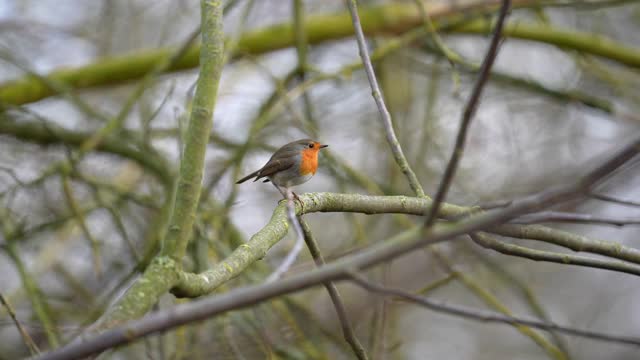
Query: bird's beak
{"x": 323, "y": 146}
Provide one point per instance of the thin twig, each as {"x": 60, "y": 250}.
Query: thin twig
{"x": 12, "y": 173}
{"x": 385, "y": 116}
{"x": 502, "y": 247}
{"x": 453, "y": 57}
{"x": 467, "y": 115}
{"x": 577, "y": 218}
{"x": 491, "y": 317}
{"x": 33, "y": 347}
{"x": 347, "y": 329}
{"x": 35, "y": 295}
{"x": 82, "y": 223}
{"x": 492, "y": 301}
{"x": 529, "y": 296}
{"x": 297, "y": 246}
{"x": 115, "y": 123}
{"x": 613, "y": 199}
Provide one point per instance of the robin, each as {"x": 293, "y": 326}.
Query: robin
{"x": 292, "y": 164}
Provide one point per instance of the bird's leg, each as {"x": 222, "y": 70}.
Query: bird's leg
{"x": 288, "y": 194}
{"x": 282, "y": 191}
{"x": 291, "y": 194}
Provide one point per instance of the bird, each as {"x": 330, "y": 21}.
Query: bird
{"x": 293, "y": 164}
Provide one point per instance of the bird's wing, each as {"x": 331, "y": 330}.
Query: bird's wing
{"x": 281, "y": 160}
{"x": 274, "y": 166}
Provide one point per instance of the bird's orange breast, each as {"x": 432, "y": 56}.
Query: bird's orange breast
{"x": 309, "y": 163}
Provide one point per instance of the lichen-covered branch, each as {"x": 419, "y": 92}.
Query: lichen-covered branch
{"x": 192, "y": 285}
{"x": 396, "y": 246}
{"x": 391, "y": 18}
{"x": 200, "y": 124}
{"x": 54, "y": 135}
{"x": 490, "y": 242}
{"x": 163, "y": 272}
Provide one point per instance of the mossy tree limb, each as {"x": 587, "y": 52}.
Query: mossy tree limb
{"x": 200, "y": 123}
{"x": 193, "y": 285}
{"x": 163, "y": 272}
{"x": 389, "y": 19}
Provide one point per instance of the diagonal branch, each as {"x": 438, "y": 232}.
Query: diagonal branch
{"x": 28, "y": 340}
{"x": 613, "y": 199}
{"x": 332, "y": 289}
{"x": 490, "y": 317}
{"x": 576, "y": 218}
{"x": 297, "y": 246}
{"x": 247, "y": 296}
{"x": 192, "y": 163}
{"x": 396, "y": 18}
{"x": 467, "y": 115}
{"x": 502, "y": 247}
{"x": 163, "y": 272}
{"x": 400, "y": 244}
{"x": 385, "y": 116}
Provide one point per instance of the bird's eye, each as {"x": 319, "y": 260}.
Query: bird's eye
{"x": 311, "y": 146}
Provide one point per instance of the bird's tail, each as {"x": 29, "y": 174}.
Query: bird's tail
{"x": 253, "y": 174}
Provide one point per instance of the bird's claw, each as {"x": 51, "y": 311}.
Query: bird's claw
{"x": 295, "y": 197}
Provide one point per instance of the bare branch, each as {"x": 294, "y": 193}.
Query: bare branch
{"x": 613, "y": 199}
{"x": 28, "y": 340}
{"x": 75, "y": 209}
{"x": 385, "y": 116}
{"x": 491, "y": 300}
{"x": 297, "y": 246}
{"x": 491, "y": 317}
{"x": 332, "y": 289}
{"x": 12, "y": 174}
{"x": 467, "y": 115}
{"x": 400, "y": 244}
{"x": 540, "y": 255}
{"x": 567, "y": 217}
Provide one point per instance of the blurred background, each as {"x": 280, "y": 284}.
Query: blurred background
{"x": 78, "y": 223}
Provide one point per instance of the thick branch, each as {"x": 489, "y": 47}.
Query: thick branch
{"x": 247, "y": 296}
{"x": 162, "y": 273}
{"x": 256, "y": 248}
{"x": 489, "y": 242}
{"x": 53, "y": 135}
{"x": 390, "y": 18}
{"x": 197, "y": 138}
{"x": 196, "y": 285}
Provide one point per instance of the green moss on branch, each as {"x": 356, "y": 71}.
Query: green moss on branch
{"x": 160, "y": 276}
{"x": 53, "y": 135}
{"x": 390, "y": 19}
{"x": 163, "y": 272}
{"x": 197, "y": 137}
{"x": 192, "y": 285}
